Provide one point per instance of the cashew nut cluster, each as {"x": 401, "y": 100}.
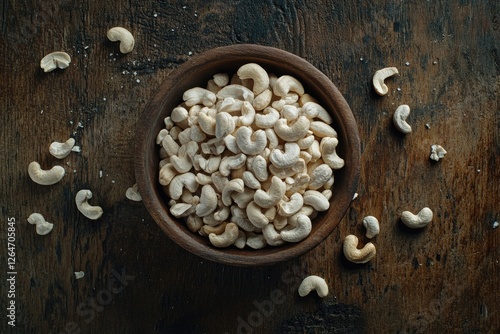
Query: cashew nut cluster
{"x": 248, "y": 160}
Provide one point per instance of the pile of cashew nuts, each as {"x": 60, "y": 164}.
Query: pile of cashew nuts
{"x": 248, "y": 160}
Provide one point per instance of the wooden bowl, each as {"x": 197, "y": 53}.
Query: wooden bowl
{"x": 196, "y": 72}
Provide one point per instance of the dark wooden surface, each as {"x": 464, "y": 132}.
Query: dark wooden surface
{"x": 442, "y": 278}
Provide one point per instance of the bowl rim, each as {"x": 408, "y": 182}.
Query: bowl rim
{"x": 156, "y": 107}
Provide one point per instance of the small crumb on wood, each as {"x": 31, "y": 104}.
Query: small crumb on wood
{"x": 495, "y": 224}
{"x": 79, "y": 274}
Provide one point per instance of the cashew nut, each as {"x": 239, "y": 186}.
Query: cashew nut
{"x": 255, "y": 215}
{"x": 237, "y": 92}
{"x": 267, "y": 119}
{"x": 292, "y": 132}
{"x": 236, "y": 185}
{"x": 300, "y": 231}
{"x": 286, "y": 84}
{"x": 314, "y": 110}
{"x": 231, "y": 162}
{"x": 355, "y": 255}
{"x": 372, "y": 226}
{"x": 89, "y": 211}
{"x": 45, "y": 177}
{"x": 256, "y": 241}
{"x": 311, "y": 283}
{"x": 291, "y": 207}
{"x": 399, "y": 119}
{"x": 61, "y": 150}
{"x": 285, "y": 159}
{"x": 42, "y": 227}
{"x": 257, "y": 74}
{"x": 262, "y": 100}
{"x": 272, "y": 237}
{"x": 437, "y": 152}
{"x": 180, "y": 181}
{"x": 199, "y": 95}
{"x": 55, "y": 60}
{"x": 208, "y": 201}
{"x": 272, "y": 196}
{"x": 225, "y": 239}
{"x": 224, "y": 125}
{"x": 380, "y": 76}
{"x": 133, "y": 194}
{"x": 419, "y": 220}
{"x": 250, "y": 142}
{"x": 328, "y": 148}
{"x": 124, "y": 36}
{"x": 316, "y": 199}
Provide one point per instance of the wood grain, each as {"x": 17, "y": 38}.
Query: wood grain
{"x": 442, "y": 278}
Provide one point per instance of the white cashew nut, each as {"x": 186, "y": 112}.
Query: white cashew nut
{"x": 257, "y": 74}
{"x": 198, "y": 95}
{"x": 328, "y": 148}
{"x": 380, "y": 76}
{"x": 267, "y": 119}
{"x": 437, "y": 152}
{"x": 181, "y": 181}
{"x": 45, "y": 177}
{"x": 286, "y": 84}
{"x": 291, "y": 207}
{"x": 89, "y": 211}
{"x": 272, "y": 196}
{"x": 399, "y": 118}
{"x": 419, "y": 220}
{"x": 300, "y": 231}
{"x": 55, "y": 60}
{"x": 133, "y": 194}
{"x": 237, "y": 92}
{"x": 124, "y": 36}
{"x": 372, "y": 226}
{"x": 61, "y": 150}
{"x": 286, "y": 158}
{"x": 311, "y": 283}
{"x": 42, "y": 227}
{"x": 355, "y": 255}
{"x": 224, "y": 125}
{"x": 316, "y": 199}
{"x": 208, "y": 201}
{"x": 255, "y": 215}
{"x": 294, "y": 132}
{"x": 227, "y": 238}
{"x": 235, "y": 185}
{"x": 231, "y": 162}
{"x": 272, "y": 237}
{"x": 250, "y": 142}
{"x": 314, "y": 110}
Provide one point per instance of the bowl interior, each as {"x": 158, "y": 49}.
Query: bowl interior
{"x": 196, "y": 72}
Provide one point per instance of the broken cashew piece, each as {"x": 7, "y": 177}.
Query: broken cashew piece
{"x": 124, "y": 36}
{"x": 311, "y": 283}
{"x": 437, "y": 152}
{"x": 42, "y": 227}
{"x": 61, "y": 150}
{"x": 380, "y": 76}
{"x": 133, "y": 194}
{"x": 372, "y": 226}
{"x": 79, "y": 274}
{"x": 355, "y": 255}
{"x": 45, "y": 177}
{"x": 55, "y": 60}
{"x": 419, "y": 220}
{"x": 399, "y": 118}
{"x": 89, "y": 211}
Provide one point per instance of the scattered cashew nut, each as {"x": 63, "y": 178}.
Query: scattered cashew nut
{"x": 311, "y": 283}
{"x": 380, "y": 76}
{"x": 372, "y": 226}
{"x": 133, "y": 194}
{"x": 42, "y": 227}
{"x": 355, "y": 255}
{"x": 89, "y": 211}
{"x": 62, "y": 150}
{"x": 419, "y": 220}
{"x": 124, "y": 36}
{"x": 399, "y": 118}
{"x": 45, "y": 177}
{"x": 55, "y": 60}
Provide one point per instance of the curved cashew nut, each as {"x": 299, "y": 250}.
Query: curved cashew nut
{"x": 224, "y": 125}
{"x": 313, "y": 282}
{"x": 194, "y": 223}
{"x": 89, "y": 211}
{"x": 294, "y": 132}
{"x": 380, "y": 76}
{"x": 272, "y": 237}
{"x": 179, "y": 182}
{"x": 221, "y": 79}
{"x": 235, "y": 185}
{"x": 206, "y": 123}
{"x": 133, "y": 194}
{"x": 372, "y": 226}
{"x": 319, "y": 176}
{"x": 61, "y": 150}
{"x": 419, "y": 220}
{"x": 179, "y": 114}
{"x": 267, "y": 119}
{"x": 259, "y": 168}
{"x": 257, "y": 74}
{"x": 55, "y": 60}
{"x": 255, "y": 215}
{"x": 286, "y": 158}
{"x": 328, "y": 147}
{"x": 231, "y": 144}
{"x": 237, "y": 92}
{"x": 170, "y": 145}
{"x": 124, "y": 36}
{"x": 198, "y": 95}
{"x": 256, "y": 241}
{"x": 355, "y": 255}
{"x": 285, "y": 172}
{"x": 299, "y": 232}
{"x": 250, "y": 142}
{"x": 288, "y": 209}
{"x": 247, "y": 114}
{"x": 321, "y": 129}
{"x": 286, "y": 84}
{"x": 42, "y": 227}
{"x": 272, "y": 196}
{"x": 179, "y": 210}
{"x": 231, "y": 162}
{"x": 208, "y": 201}
{"x": 250, "y": 180}
{"x": 273, "y": 138}
{"x": 45, "y": 177}
{"x": 316, "y": 199}
{"x": 227, "y": 238}
{"x": 306, "y": 142}
{"x": 314, "y": 110}
{"x": 262, "y": 100}
{"x": 399, "y": 118}
{"x": 210, "y": 165}
{"x": 167, "y": 173}
{"x": 242, "y": 199}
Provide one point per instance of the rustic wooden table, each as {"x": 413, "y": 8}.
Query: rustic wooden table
{"x": 445, "y": 277}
